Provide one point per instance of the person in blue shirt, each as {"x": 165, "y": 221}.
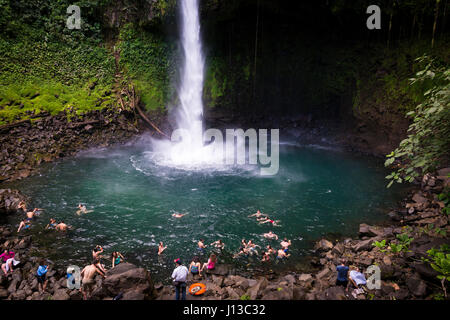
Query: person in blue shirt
{"x": 41, "y": 275}
{"x": 342, "y": 277}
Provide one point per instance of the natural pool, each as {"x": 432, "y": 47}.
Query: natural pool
{"x": 317, "y": 191}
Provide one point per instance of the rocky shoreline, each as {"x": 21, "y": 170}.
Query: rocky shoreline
{"x": 403, "y": 274}
{"x": 27, "y": 144}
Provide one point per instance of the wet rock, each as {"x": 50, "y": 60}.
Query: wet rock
{"x": 255, "y": 291}
{"x": 126, "y": 277}
{"x": 323, "y": 245}
{"x": 61, "y": 294}
{"x": 417, "y": 286}
{"x": 133, "y": 295}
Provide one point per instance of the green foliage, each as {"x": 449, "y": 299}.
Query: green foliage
{"x": 440, "y": 261}
{"x": 245, "y": 297}
{"x": 445, "y": 198}
{"x": 149, "y": 63}
{"x": 380, "y": 245}
{"x": 216, "y": 82}
{"x": 44, "y": 66}
{"x": 431, "y": 230}
{"x": 428, "y": 142}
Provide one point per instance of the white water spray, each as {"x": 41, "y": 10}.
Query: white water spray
{"x": 190, "y": 151}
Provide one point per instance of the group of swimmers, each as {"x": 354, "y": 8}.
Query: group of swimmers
{"x": 263, "y": 218}
{"x": 30, "y": 215}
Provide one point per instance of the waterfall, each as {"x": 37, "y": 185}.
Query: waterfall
{"x": 190, "y": 115}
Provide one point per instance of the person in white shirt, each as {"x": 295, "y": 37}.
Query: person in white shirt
{"x": 179, "y": 279}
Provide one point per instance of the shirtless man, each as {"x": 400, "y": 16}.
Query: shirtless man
{"x": 161, "y": 248}
{"x": 267, "y": 220}
{"x": 61, "y": 226}
{"x": 252, "y": 247}
{"x": 201, "y": 245}
{"x": 285, "y": 244}
{"x": 88, "y": 274}
{"x": 30, "y": 214}
{"x": 270, "y": 235}
{"x": 258, "y": 214}
{"x": 281, "y": 254}
{"x": 218, "y": 244}
{"x": 82, "y": 209}
{"x": 178, "y": 215}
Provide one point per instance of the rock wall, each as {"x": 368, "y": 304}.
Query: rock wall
{"x": 29, "y": 143}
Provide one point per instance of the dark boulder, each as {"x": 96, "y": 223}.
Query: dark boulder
{"x": 127, "y": 277}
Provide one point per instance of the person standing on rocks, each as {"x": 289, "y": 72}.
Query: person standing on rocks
{"x": 88, "y": 274}
{"x": 41, "y": 275}
{"x": 179, "y": 276}
{"x": 342, "y": 276}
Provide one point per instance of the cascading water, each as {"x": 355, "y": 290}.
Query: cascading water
{"x": 190, "y": 152}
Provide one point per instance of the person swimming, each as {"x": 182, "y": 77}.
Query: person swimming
{"x": 285, "y": 244}
{"x": 270, "y": 235}
{"x": 52, "y": 224}
{"x": 252, "y": 247}
{"x": 218, "y": 244}
{"x": 31, "y": 214}
{"x": 201, "y": 245}
{"x": 82, "y": 209}
{"x": 62, "y": 226}
{"x": 24, "y": 224}
{"x": 268, "y": 220}
{"x": 258, "y": 214}
{"x": 178, "y": 215}
{"x": 281, "y": 254}
{"x": 161, "y": 248}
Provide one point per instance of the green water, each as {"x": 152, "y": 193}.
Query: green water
{"x": 316, "y": 192}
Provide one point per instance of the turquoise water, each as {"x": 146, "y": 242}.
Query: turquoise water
{"x": 316, "y": 192}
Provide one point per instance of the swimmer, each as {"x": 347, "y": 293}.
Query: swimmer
{"x": 285, "y": 244}
{"x": 270, "y": 235}
{"x": 82, "y": 209}
{"x": 178, "y": 215}
{"x": 24, "y": 224}
{"x": 201, "y": 245}
{"x": 270, "y": 250}
{"x": 258, "y": 214}
{"x": 161, "y": 248}
{"x": 252, "y": 247}
{"x": 62, "y": 226}
{"x": 31, "y": 214}
{"x": 218, "y": 244}
{"x": 52, "y": 224}
{"x": 266, "y": 257}
{"x": 282, "y": 254}
{"x": 267, "y": 220}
